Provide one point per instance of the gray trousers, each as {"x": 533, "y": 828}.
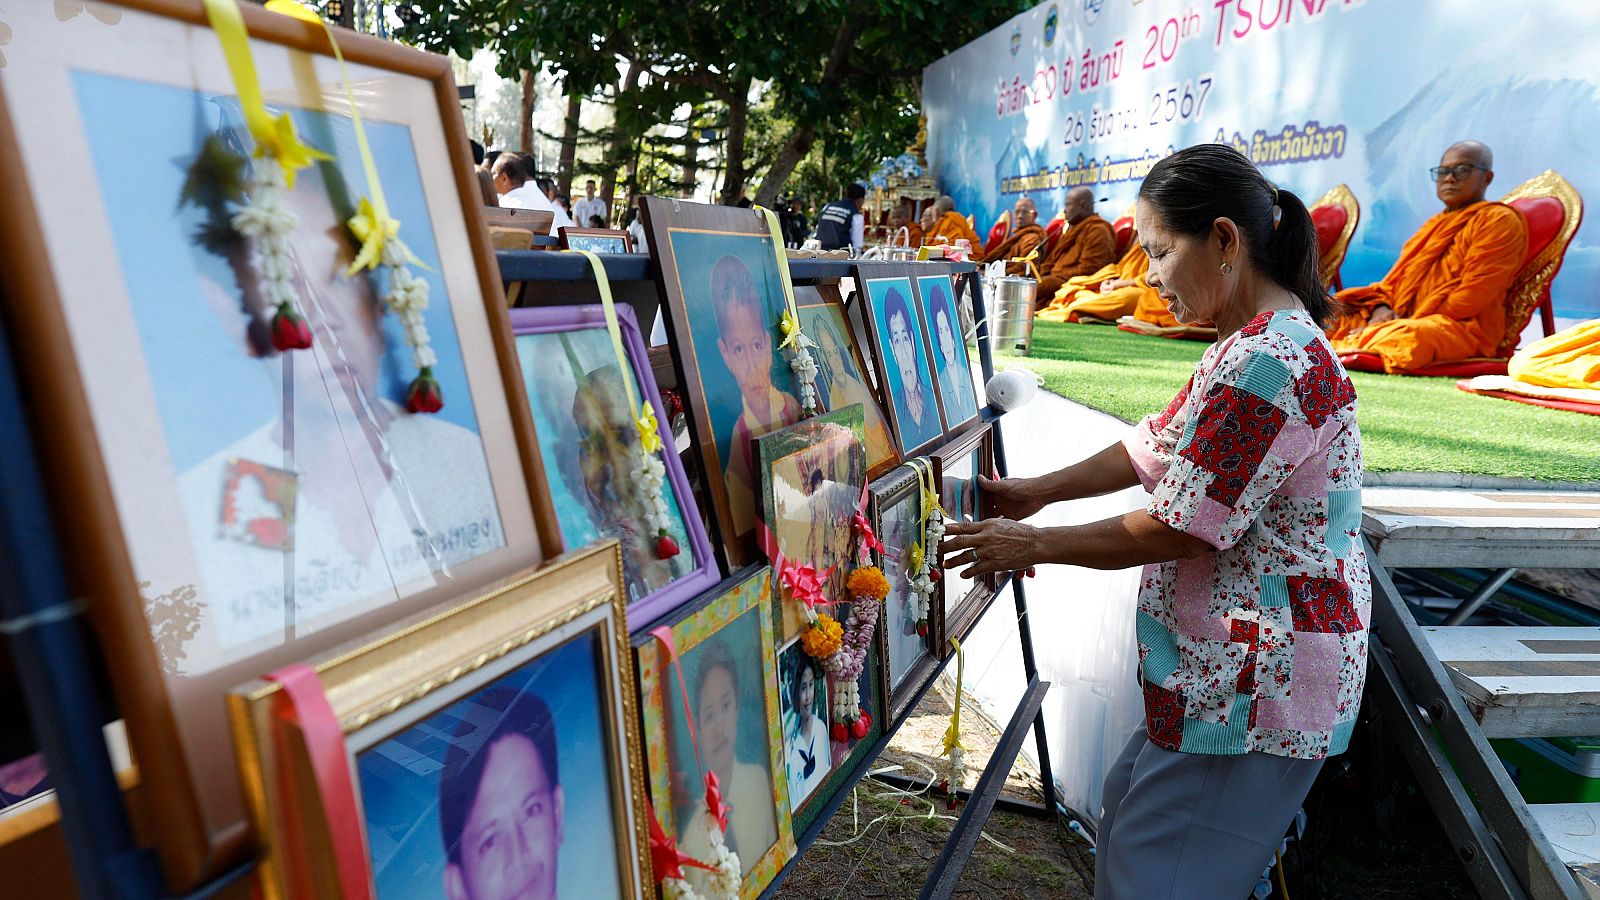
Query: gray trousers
{"x": 1193, "y": 826}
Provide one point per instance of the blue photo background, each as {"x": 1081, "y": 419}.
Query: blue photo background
{"x": 955, "y": 383}
{"x": 400, "y": 783}
{"x": 912, "y": 433}
{"x": 696, "y": 253}
{"x": 183, "y": 340}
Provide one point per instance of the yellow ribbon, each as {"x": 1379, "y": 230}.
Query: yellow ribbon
{"x": 372, "y": 225}
{"x": 645, "y": 424}
{"x": 790, "y": 324}
{"x": 952, "y": 734}
{"x": 275, "y": 136}
{"x": 1032, "y": 255}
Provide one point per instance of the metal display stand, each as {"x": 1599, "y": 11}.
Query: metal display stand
{"x": 44, "y": 622}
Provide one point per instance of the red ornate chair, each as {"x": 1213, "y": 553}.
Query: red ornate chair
{"x": 1123, "y": 227}
{"x": 1552, "y": 209}
{"x": 1000, "y": 231}
{"x": 1052, "y": 231}
{"x": 1335, "y": 216}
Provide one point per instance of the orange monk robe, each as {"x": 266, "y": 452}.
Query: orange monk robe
{"x": 1566, "y": 359}
{"x": 1082, "y": 296}
{"x": 1085, "y": 247}
{"x": 1022, "y": 242}
{"x": 915, "y": 231}
{"x": 1447, "y": 290}
{"x": 953, "y": 226}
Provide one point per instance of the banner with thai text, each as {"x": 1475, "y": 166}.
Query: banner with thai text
{"x": 1316, "y": 92}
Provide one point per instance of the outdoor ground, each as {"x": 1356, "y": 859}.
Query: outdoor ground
{"x": 1408, "y": 424}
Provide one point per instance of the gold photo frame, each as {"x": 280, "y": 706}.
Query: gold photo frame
{"x": 425, "y": 709}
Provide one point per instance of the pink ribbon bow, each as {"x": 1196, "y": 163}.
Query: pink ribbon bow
{"x": 804, "y": 582}
{"x": 666, "y": 860}
{"x": 869, "y": 538}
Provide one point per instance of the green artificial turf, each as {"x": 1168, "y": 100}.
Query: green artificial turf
{"x": 1407, "y": 424}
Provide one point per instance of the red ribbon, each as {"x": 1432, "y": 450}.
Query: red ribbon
{"x": 802, "y": 580}
{"x": 869, "y": 538}
{"x": 307, "y": 709}
{"x": 714, "y": 804}
{"x": 666, "y": 860}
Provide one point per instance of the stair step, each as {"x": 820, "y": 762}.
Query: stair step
{"x": 1573, "y": 829}
{"x": 1525, "y": 681}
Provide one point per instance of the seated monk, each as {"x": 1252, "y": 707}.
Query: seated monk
{"x": 929, "y": 221}
{"x": 952, "y": 226}
{"x": 1107, "y": 294}
{"x": 900, "y": 217}
{"x": 1445, "y": 298}
{"x": 1086, "y": 245}
{"x": 1025, "y": 237}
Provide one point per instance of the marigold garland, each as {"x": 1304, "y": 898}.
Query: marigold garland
{"x": 823, "y": 638}
{"x": 868, "y": 581}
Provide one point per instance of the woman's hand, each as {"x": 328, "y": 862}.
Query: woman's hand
{"x": 993, "y": 545}
{"x": 1013, "y": 498}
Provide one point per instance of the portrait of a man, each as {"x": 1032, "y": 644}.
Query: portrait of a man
{"x": 908, "y": 384}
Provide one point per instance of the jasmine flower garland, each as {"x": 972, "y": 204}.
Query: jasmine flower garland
{"x": 269, "y": 223}
{"x": 722, "y": 883}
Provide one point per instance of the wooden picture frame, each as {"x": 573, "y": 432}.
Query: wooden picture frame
{"x": 717, "y": 265}
{"x": 958, "y": 464}
{"x": 901, "y": 354}
{"x": 423, "y": 707}
{"x": 728, "y": 629}
{"x": 952, "y": 366}
{"x": 95, "y": 256}
{"x": 843, "y": 377}
{"x": 812, "y": 476}
{"x": 909, "y": 658}
{"x": 576, "y": 336}
{"x": 595, "y": 240}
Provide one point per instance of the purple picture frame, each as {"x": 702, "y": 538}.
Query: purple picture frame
{"x": 706, "y": 573}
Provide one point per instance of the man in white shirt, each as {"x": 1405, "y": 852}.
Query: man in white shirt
{"x": 513, "y": 181}
{"x": 589, "y": 206}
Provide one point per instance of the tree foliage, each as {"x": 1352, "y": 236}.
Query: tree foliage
{"x": 841, "y": 77}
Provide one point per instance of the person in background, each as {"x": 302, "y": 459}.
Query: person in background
{"x": 591, "y": 207}
{"x": 900, "y": 217}
{"x": 513, "y": 179}
{"x": 928, "y": 222}
{"x": 595, "y": 222}
{"x": 1445, "y": 298}
{"x": 477, "y": 152}
{"x": 633, "y": 223}
{"x": 563, "y": 216}
{"x": 490, "y": 156}
{"x": 795, "y": 227}
{"x": 950, "y": 226}
{"x": 486, "y": 186}
{"x": 1086, "y": 245}
{"x": 840, "y": 223}
{"x": 1026, "y": 235}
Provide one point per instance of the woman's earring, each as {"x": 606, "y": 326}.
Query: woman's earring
{"x": 1227, "y": 268}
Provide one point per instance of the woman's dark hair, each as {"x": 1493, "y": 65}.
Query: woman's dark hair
{"x": 714, "y": 654}
{"x": 1198, "y": 185}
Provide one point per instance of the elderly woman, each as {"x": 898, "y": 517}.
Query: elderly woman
{"x": 1253, "y": 608}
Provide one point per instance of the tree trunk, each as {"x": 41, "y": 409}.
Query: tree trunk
{"x": 525, "y": 139}
{"x": 738, "y": 128}
{"x": 800, "y": 140}
{"x": 622, "y": 138}
{"x": 794, "y": 149}
{"x": 569, "y": 146}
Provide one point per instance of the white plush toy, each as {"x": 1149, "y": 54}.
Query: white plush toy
{"x": 1012, "y": 389}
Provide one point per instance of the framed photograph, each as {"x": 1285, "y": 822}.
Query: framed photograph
{"x": 235, "y": 508}
{"x": 596, "y": 240}
{"x": 936, "y": 300}
{"x": 725, "y": 647}
{"x": 803, "y": 698}
{"x": 959, "y": 463}
{"x": 908, "y": 650}
{"x": 852, "y": 752}
{"x": 588, "y": 439}
{"x": 511, "y": 715}
{"x": 901, "y": 354}
{"x": 842, "y": 378}
{"x": 812, "y": 475}
{"x": 724, "y": 297}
